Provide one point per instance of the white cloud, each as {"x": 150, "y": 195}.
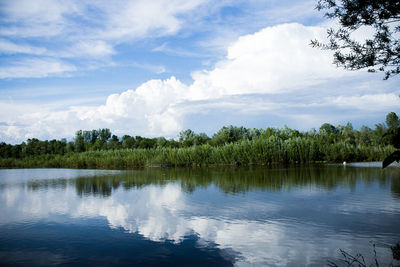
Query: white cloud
{"x": 92, "y": 48}
{"x": 161, "y": 213}
{"x": 135, "y": 19}
{"x": 164, "y": 48}
{"x": 83, "y": 21}
{"x": 84, "y": 29}
{"x": 149, "y": 105}
{"x": 36, "y": 68}
{"x": 273, "y": 74}
{"x": 148, "y": 110}
{"x": 374, "y": 102}
{"x": 37, "y": 11}
{"x": 7, "y": 47}
{"x": 93, "y": 29}
{"x": 156, "y": 213}
{"x": 24, "y": 18}
{"x": 274, "y": 60}
{"x": 158, "y": 69}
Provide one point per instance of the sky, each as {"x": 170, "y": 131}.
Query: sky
{"x": 155, "y": 68}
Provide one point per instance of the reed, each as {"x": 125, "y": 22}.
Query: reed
{"x": 261, "y": 151}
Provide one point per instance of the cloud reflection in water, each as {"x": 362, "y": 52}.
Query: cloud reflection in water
{"x": 273, "y": 227}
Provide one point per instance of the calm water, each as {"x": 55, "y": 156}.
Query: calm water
{"x": 205, "y": 216}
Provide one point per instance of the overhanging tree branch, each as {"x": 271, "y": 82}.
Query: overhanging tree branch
{"x": 379, "y": 53}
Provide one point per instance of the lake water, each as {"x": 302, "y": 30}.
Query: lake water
{"x": 276, "y": 216}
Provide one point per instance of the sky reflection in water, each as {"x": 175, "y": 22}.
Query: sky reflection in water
{"x": 270, "y": 216}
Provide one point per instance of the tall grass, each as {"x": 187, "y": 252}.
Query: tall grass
{"x": 261, "y": 151}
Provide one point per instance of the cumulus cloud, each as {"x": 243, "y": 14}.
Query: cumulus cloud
{"x": 274, "y": 60}
{"x": 159, "y": 214}
{"x": 165, "y": 213}
{"x": 272, "y": 74}
{"x": 148, "y": 105}
{"x": 88, "y": 30}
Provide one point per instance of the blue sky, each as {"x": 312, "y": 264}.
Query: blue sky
{"x": 154, "y": 68}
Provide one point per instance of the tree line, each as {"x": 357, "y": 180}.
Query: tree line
{"x": 230, "y": 145}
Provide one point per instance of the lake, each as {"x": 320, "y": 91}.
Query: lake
{"x": 217, "y": 216}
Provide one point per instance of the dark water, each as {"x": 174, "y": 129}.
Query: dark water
{"x": 281, "y": 216}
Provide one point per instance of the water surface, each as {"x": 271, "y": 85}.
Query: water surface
{"x": 280, "y": 216}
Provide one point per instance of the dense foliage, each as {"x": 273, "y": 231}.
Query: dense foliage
{"x": 380, "y": 51}
{"x": 230, "y": 145}
{"x": 393, "y": 135}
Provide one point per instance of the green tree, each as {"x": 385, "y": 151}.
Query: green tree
{"x": 99, "y": 145}
{"x": 365, "y": 135}
{"x": 186, "y": 137}
{"x": 79, "y": 144}
{"x": 104, "y": 134}
{"x": 348, "y": 133}
{"x": 93, "y": 136}
{"x": 162, "y": 142}
{"x": 114, "y": 142}
{"x": 5, "y": 150}
{"x": 392, "y": 120}
{"x": 33, "y": 147}
{"x": 128, "y": 141}
{"x": 70, "y": 147}
{"x": 378, "y": 133}
{"x": 201, "y": 139}
{"x": 393, "y": 135}
{"x": 142, "y": 142}
{"x": 381, "y": 51}
{"x": 327, "y": 128}
{"x": 229, "y": 134}
{"x": 252, "y": 134}
{"x": 87, "y": 136}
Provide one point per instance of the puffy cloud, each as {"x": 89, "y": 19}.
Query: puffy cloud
{"x": 272, "y": 75}
{"x": 148, "y": 110}
{"x": 92, "y": 29}
{"x": 161, "y": 213}
{"x": 158, "y": 214}
{"x": 149, "y": 106}
{"x": 274, "y": 60}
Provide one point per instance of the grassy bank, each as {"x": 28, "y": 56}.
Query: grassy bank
{"x": 246, "y": 152}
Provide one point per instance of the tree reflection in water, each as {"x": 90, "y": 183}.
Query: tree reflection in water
{"x": 232, "y": 180}
{"x": 278, "y": 215}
